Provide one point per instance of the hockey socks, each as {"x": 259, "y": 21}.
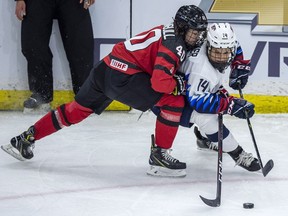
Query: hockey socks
{"x": 62, "y": 116}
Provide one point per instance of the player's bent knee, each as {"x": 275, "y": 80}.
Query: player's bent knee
{"x": 74, "y": 112}
{"x": 207, "y": 123}
{"x": 71, "y": 113}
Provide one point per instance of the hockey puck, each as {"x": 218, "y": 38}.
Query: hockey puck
{"x": 248, "y": 205}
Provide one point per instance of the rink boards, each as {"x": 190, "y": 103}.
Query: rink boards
{"x": 13, "y": 100}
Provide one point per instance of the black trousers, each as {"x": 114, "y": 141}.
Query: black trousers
{"x": 77, "y": 36}
{"x": 105, "y": 85}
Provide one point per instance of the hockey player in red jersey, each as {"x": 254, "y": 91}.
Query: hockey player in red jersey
{"x": 141, "y": 73}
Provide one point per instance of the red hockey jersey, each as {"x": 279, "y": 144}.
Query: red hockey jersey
{"x": 158, "y": 52}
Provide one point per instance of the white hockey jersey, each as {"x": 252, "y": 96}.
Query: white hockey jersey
{"x": 203, "y": 82}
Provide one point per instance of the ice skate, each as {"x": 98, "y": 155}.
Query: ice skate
{"x": 163, "y": 164}
{"x": 245, "y": 160}
{"x": 203, "y": 143}
{"x": 21, "y": 147}
{"x": 36, "y": 105}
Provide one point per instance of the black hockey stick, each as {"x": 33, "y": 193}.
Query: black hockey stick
{"x": 270, "y": 164}
{"x": 216, "y": 202}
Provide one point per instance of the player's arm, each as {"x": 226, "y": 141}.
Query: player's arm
{"x": 169, "y": 58}
{"x": 240, "y": 70}
{"x": 239, "y": 53}
{"x": 203, "y": 101}
{"x": 164, "y": 69}
{"x": 199, "y": 95}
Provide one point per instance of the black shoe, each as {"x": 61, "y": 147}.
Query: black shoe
{"x": 163, "y": 164}
{"x": 203, "y": 143}
{"x": 36, "y": 105}
{"x": 161, "y": 157}
{"x": 34, "y": 101}
{"x": 244, "y": 159}
{"x": 24, "y": 143}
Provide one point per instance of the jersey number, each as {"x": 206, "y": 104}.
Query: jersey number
{"x": 203, "y": 84}
{"x": 181, "y": 52}
{"x": 142, "y": 41}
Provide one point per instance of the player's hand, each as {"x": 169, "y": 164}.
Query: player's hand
{"x": 180, "y": 85}
{"x": 239, "y": 73}
{"x": 20, "y": 10}
{"x": 223, "y": 92}
{"x": 87, "y": 3}
{"x": 238, "y": 107}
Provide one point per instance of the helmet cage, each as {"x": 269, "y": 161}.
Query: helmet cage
{"x": 221, "y": 66}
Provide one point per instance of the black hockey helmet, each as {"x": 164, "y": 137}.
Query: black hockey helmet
{"x": 191, "y": 17}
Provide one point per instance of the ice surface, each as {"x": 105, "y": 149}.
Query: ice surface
{"x": 98, "y": 168}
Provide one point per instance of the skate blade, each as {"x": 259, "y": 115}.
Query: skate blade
{"x": 165, "y": 172}
{"x": 41, "y": 109}
{"x": 206, "y": 149}
{"x": 12, "y": 151}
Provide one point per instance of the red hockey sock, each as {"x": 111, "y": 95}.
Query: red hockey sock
{"x": 64, "y": 115}
{"x": 165, "y": 135}
{"x": 168, "y": 120}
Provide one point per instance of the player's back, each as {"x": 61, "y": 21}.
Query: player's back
{"x": 143, "y": 52}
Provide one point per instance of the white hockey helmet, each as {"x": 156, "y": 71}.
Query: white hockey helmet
{"x": 221, "y": 36}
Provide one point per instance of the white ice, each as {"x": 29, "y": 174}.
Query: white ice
{"x": 98, "y": 168}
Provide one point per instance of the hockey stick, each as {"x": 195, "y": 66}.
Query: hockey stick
{"x": 216, "y": 202}
{"x": 270, "y": 164}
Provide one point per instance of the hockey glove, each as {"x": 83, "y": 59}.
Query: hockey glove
{"x": 238, "y": 77}
{"x": 180, "y": 85}
{"x": 238, "y": 107}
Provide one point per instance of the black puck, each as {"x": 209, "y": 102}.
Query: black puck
{"x": 248, "y": 205}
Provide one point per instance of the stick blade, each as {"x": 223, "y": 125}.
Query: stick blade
{"x": 212, "y": 203}
{"x": 268, "y": 167}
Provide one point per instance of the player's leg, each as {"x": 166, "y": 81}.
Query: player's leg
{"x": 35, "y": 36}
{"x": 88, "y": 100}
{"x": 202, "y": 142}
{"x": 168, "y": 120}
{"x": 208, "y": 124}
{"x": 21, "y": 147}
{"x": 136, "y": 91}
{"x": 77, "y": 36}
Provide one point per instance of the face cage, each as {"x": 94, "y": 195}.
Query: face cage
{"x": 200, "y": 39}
{"x": 181, "y": 29}
{"x": 221, "y": 66}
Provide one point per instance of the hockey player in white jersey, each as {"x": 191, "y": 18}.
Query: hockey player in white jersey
{"x": 204, "y": 70}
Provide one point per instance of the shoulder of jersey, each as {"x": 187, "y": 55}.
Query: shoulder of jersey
{"x": 200, "y": 61}
{"x": 198, "y": 54}
{"x": 169, "y": 35}
{"x": 168, "y": 31}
